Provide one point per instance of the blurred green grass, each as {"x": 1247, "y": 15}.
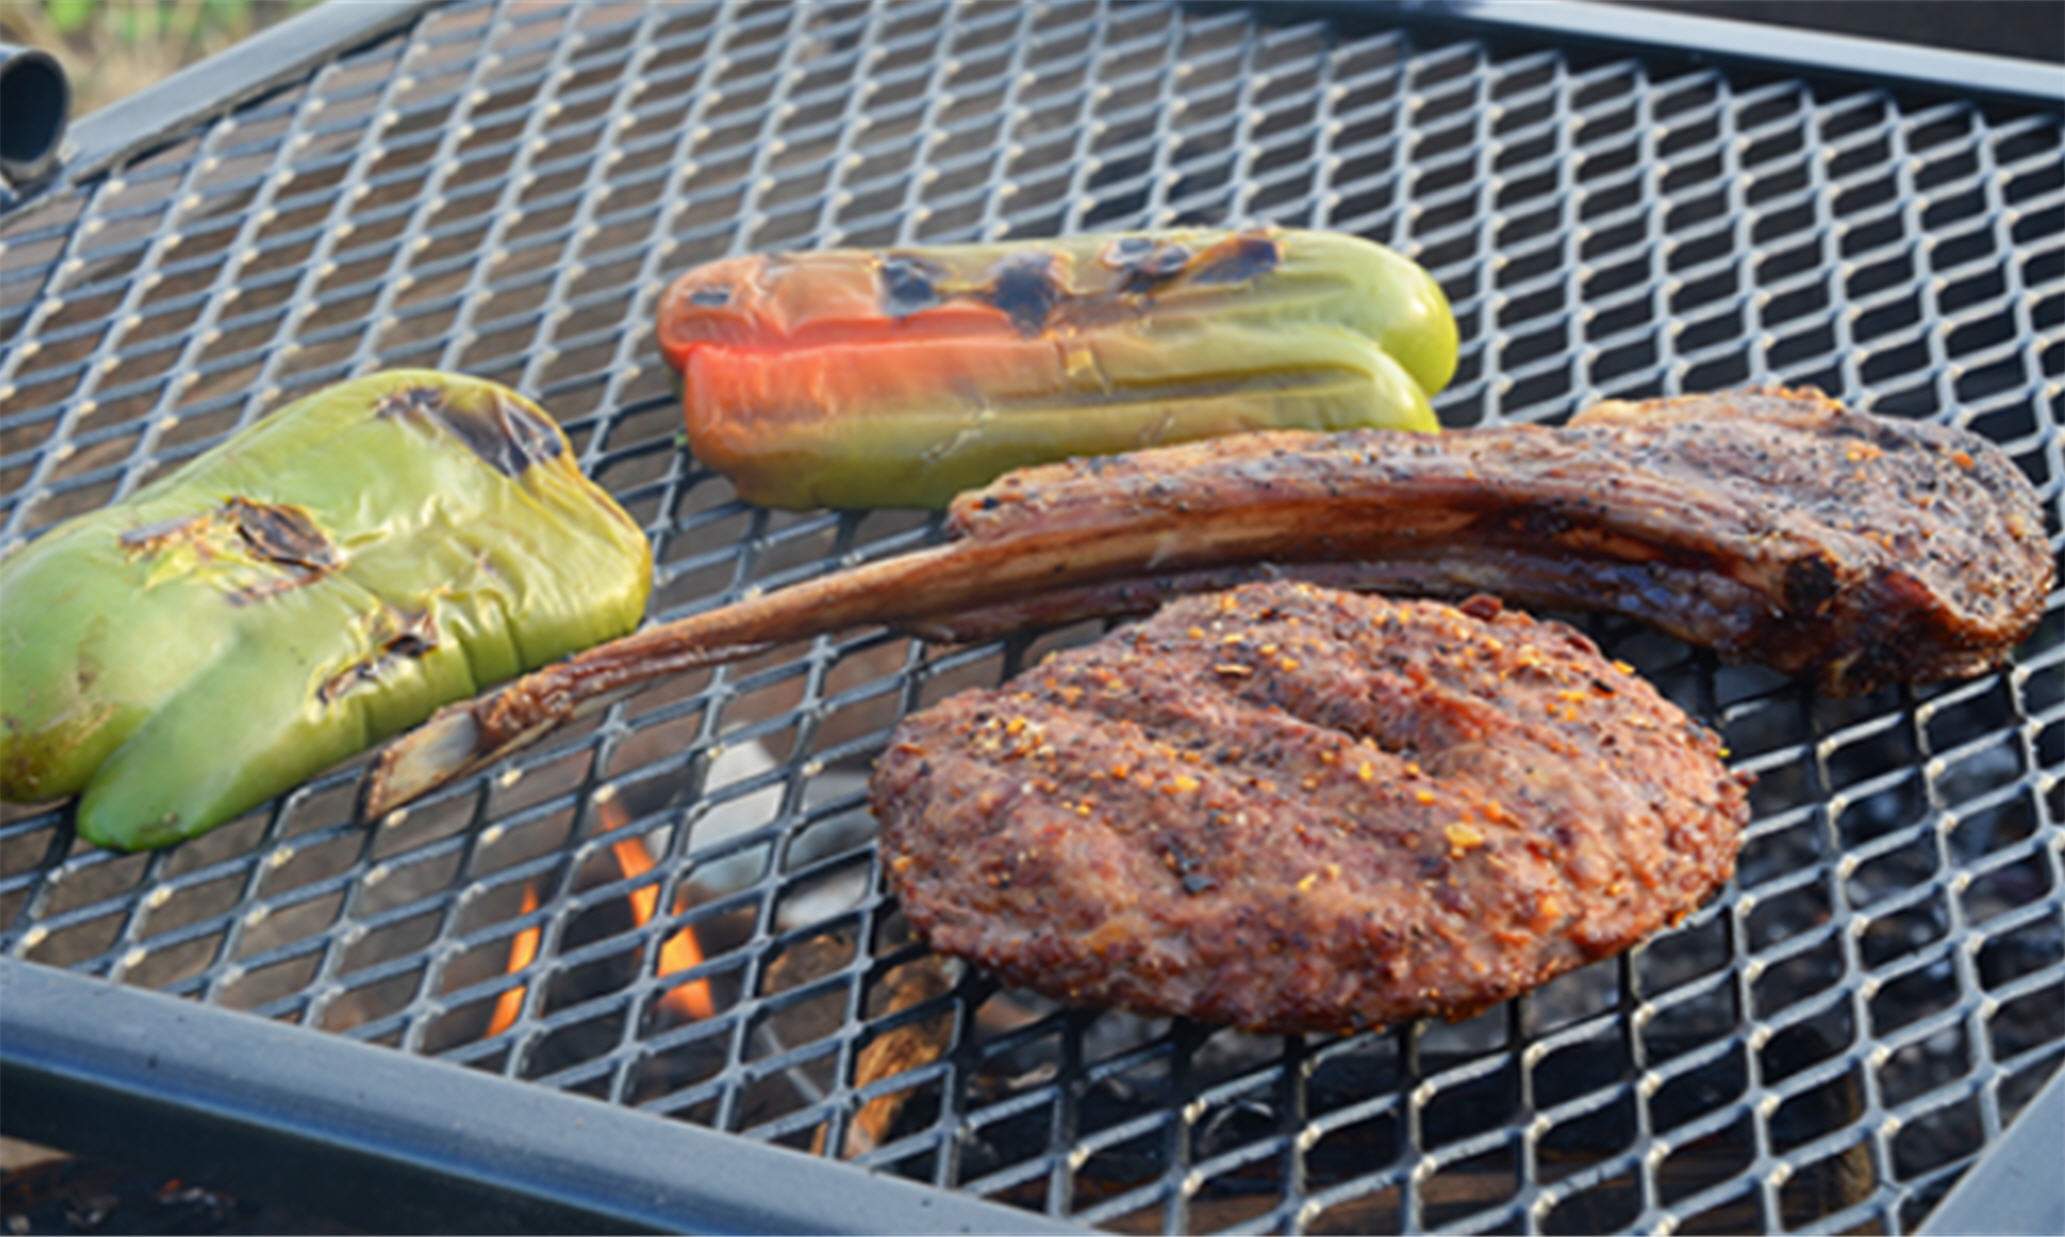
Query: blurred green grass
{"x": 113, "y": 48}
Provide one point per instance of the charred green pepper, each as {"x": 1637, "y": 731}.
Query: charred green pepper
{"x": 319, "y": 581}
{"x": 850, "y": 378}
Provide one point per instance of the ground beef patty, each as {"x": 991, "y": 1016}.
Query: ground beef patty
{"x": 1292, "y": 809}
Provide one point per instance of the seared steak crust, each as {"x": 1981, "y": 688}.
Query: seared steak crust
{"x": 1291, "y": 809}
{"x": 1770, "y": 525}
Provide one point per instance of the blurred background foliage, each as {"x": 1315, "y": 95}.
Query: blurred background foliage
{"x": 111, "y": 48}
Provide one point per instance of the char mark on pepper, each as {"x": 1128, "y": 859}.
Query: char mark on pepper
{"x": 275, "y": 534}
{"x": 409, "y": 636}
{"x": 282, "y": 535}
{"x": 1145, "y": 264}
{"x": 1239, "y": 258}
{"x": 507, "y": 435}
{"x": 1025, "y": 287}
{"x": 908, "y": 284}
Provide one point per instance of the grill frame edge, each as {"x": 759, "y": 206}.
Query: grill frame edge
{"x": 44, "y": 1008}
{"x": 403, "y": 1142}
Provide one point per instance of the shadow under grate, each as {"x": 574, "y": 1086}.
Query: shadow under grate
{"x": 677, "y": 905}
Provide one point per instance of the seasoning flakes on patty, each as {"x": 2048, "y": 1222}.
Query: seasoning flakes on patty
{"x": 1293, "y": 809}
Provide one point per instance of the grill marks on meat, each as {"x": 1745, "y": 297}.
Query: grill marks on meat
{"x": 1292, "y": 809}
{"x": 1768, "y": 524}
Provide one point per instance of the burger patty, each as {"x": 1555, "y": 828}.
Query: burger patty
{"x": 1294, "y": 809}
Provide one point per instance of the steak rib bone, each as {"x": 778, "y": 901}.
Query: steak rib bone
{"x": 1769, "y": 525}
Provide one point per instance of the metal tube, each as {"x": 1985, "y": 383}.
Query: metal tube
{"x": 35, "y": 104}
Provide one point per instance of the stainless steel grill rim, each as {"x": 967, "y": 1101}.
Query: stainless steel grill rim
{"x": 505, "y": 189}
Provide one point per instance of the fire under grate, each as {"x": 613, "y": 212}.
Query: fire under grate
{"x": 678, "y": 906}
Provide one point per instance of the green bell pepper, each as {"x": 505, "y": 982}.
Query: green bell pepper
{"x": 321, "y": 580}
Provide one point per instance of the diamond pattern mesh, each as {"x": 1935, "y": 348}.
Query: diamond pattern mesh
{"x": 505, "y": 189}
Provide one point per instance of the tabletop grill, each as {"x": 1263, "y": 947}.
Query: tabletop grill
{"x": 677, "y": 906}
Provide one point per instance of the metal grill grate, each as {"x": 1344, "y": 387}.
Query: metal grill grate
{"x": 504, "y": 189}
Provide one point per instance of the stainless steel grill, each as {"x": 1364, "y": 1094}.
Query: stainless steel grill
{"x": 504, "y": 189}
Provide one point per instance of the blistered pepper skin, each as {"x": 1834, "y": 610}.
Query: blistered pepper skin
{"x": 898, "y": 378}
{"x": 323, "y": 579}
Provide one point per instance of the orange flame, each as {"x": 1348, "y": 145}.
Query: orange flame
{"x": 680, "y": 952}
{"x": 522, "y": 951}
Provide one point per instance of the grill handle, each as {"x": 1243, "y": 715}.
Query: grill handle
{"x": 35, "y": 105}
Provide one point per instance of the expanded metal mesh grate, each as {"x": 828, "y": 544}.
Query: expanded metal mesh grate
{"x": 505, "y": 189}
